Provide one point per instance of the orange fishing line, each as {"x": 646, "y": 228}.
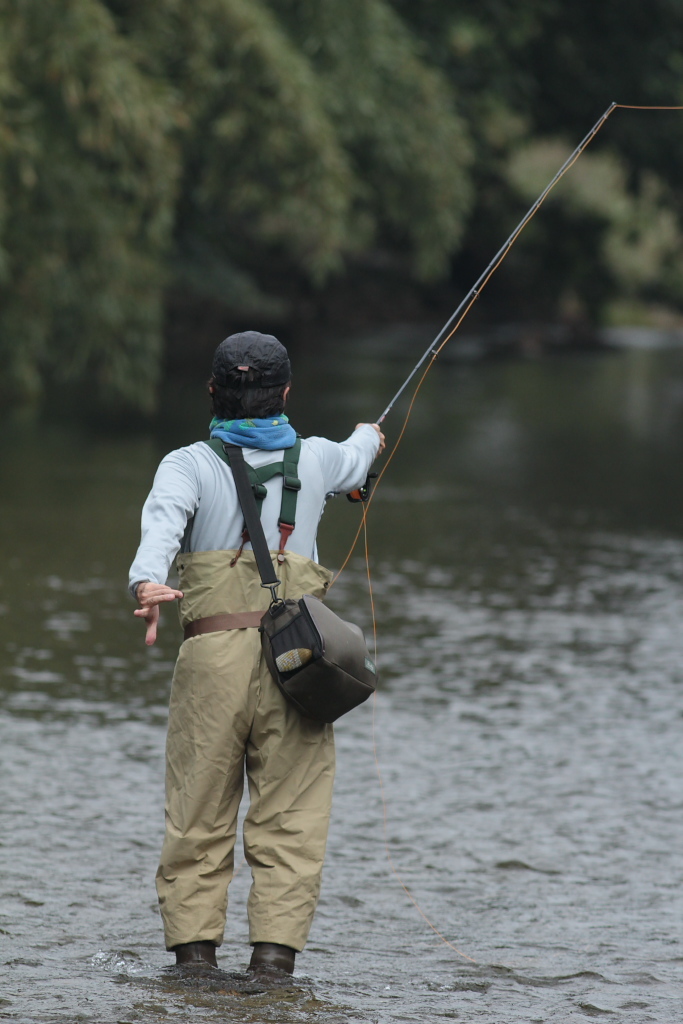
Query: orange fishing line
{"x": 631, "y": 106}
{"x": 456, "y": 326}
{"x": 364, "y": 527}
{"x": 366, "y": 506}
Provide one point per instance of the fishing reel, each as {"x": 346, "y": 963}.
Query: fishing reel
{"x": 362, "y": 493}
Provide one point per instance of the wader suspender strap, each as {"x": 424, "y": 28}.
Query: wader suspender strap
{"x": 291, "y": 485}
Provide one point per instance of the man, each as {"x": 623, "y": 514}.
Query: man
{"x": 226, "y": 713}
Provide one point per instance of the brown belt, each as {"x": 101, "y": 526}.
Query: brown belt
{"x": 216, "y": 623}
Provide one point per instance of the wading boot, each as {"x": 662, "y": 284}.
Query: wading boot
{"x": 195, "y": 953}
{"x": 272, "y": 956}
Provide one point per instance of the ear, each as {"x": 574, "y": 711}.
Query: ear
{"x": 285, "y": 393}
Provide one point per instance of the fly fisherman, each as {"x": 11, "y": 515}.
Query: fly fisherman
{"x": 226, "y": 711}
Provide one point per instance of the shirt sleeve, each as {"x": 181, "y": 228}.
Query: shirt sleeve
{"x": 173, "y": 500}
{"x": 345, "y": 466}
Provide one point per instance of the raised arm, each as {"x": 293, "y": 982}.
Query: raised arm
{"x": 345, "y": 465}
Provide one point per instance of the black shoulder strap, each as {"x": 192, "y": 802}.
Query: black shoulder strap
{"x": 251, "y": 517}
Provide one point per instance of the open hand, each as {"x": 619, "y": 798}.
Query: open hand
{"x": 150, "y": 596}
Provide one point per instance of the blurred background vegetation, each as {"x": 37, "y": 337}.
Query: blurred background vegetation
{"x": 171, "y": 171}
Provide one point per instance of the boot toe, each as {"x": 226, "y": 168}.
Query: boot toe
{"x": 195, "y": 953}
{"x": 272, "y": 956}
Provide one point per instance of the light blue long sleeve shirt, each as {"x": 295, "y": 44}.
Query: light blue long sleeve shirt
{"x": 194, "y": 481}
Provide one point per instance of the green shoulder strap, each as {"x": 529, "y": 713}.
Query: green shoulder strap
{"x": 291, "y": 485}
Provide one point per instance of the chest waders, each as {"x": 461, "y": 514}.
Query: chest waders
{"x": 228, "y": 717}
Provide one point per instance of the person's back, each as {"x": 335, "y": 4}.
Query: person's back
{"x": 226, "y": 711}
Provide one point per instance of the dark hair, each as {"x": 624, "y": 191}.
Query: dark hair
{"x": 233, "y": 402}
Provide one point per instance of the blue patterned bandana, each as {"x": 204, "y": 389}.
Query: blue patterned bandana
{"x": 270, "y": 434}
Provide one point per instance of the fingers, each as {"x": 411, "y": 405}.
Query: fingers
{"x": 147, "y": 590}
{"x": 151, "y": 617}
{"x": 151, "y": 594}
{"x": 150, "y": 600}
{"x": 382, "y": 439}
{"x": 150, "y": 612}
{"x": 151, "y": 634}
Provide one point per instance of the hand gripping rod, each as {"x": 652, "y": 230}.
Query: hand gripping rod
{"x": 473, "y": 294}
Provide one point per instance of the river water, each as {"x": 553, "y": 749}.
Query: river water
{"x": 527, "y": 560}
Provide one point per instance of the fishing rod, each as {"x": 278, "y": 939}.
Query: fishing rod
{"x": 453, "y": 323}
{"x": 473, "y": 294}
{"x": 456, "y": 318}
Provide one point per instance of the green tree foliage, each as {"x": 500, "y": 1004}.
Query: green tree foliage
{"x": 531, "y": 79}
{"x": 87, "y": 182}
{"x": 166, "y": 148}
{"x": 157, "y": 145}
{"x": 261, "y": 165}
{"x": 631, "y": 242}
{"x": 396, "y": 118}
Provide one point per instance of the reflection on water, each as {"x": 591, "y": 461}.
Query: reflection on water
{"x": 528, "y": 566}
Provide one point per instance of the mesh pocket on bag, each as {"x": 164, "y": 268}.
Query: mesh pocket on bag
{"x": 296, "y": 645}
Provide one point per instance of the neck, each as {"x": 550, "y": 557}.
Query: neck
{"x": 247, "y": 415}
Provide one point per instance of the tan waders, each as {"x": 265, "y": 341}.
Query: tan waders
{"x": 226, "y": 713}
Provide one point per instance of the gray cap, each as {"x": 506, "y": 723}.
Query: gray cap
{"x": 250, "y": 350}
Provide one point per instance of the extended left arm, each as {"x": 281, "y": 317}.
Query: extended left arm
{"x": 172, "y": 501}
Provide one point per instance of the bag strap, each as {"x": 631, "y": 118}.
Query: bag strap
{"x": 269, "y": 579}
